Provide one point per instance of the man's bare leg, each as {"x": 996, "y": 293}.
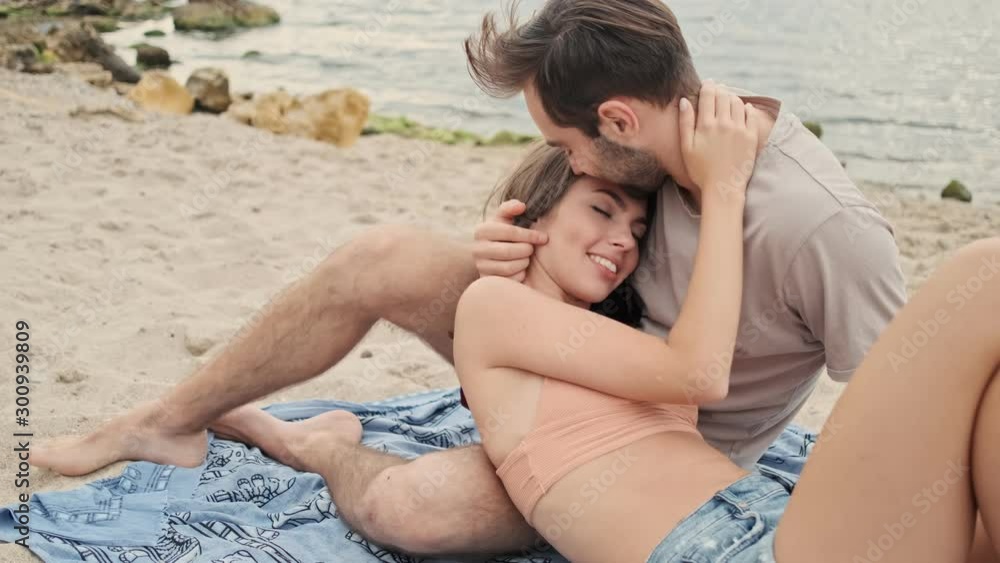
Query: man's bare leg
{"x": 444, "y": 503}
{"x": 388, "y": 272}
{"x": 401, "y": 274}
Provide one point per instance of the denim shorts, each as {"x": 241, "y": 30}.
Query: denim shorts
{"x": 737, "y": 525}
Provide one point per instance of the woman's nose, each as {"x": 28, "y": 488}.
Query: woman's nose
{"x": 624, "y": 240}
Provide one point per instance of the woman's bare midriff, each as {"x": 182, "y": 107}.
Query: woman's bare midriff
{"x": 619, "y": 506}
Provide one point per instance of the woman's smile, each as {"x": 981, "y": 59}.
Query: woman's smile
{"x": 607, "y": 268}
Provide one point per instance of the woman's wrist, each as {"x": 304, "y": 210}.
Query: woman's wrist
{"x": 723, "y": 194}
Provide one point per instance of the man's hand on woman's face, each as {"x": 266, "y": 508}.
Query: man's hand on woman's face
{"x": 503, "y": 249}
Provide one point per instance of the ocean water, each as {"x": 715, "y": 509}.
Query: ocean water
{"x": 907, "y": 91}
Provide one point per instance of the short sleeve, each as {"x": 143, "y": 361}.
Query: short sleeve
{"x": 846, "y": 285}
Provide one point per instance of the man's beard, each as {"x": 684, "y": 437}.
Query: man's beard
{"x": 627, "y": 166}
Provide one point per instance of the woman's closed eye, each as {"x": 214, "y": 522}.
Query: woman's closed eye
{"x": 601, "y": 211}
{"x": 638, "y": 236}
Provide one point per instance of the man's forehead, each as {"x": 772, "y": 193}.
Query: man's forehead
{"x": 554, "y": 135}
{"x": 545, "y": 124}
{"x": 558, "y": 136}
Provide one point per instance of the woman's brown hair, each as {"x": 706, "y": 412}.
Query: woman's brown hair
{"x": 540, "y": 180}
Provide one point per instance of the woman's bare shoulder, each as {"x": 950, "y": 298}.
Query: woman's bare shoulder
{"x": 493, "y": 293}
{"x": 485, "y": 313}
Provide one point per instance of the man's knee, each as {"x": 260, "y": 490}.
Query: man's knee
{"x": 399, "y": 267}
{"x": 378, "y": 245}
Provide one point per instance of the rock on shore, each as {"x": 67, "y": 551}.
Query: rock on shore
{"x": 223, "y": 15}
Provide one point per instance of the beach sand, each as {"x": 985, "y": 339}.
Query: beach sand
{"x": 137, "y": 245}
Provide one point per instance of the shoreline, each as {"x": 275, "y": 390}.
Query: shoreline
{"x": 127, "y": 294}
{"x": 275, "y": 46}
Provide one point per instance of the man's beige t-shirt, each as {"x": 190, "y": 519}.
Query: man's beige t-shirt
{"x": 821, "y": 281}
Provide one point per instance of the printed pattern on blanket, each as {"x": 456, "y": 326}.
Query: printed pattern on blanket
{"x": 240, "y": 506}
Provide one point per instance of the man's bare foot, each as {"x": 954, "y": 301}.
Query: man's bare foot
{"x": 141, "y": 434}
{"x": 302, "y": 445}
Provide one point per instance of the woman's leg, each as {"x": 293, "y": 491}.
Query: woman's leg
{"x": 892, "y": 476}
{"x": 986, "y": 471}
{"x": 982, "y": 548}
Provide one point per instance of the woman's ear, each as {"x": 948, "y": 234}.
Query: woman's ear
{"x": 617, "y": 121}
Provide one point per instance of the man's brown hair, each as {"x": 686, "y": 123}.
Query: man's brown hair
{"x": 580, "y": 53}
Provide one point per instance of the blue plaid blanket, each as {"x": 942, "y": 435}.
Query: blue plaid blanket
{"x": 242, "y": 507}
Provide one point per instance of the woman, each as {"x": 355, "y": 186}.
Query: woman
{"x": 598, "y": 446}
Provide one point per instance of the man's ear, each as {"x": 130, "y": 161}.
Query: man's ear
{"x": 617, "y": 121}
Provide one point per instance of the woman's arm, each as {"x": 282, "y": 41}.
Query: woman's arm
{"x": 502, "y": 323}
{"x": 510, "y": 325}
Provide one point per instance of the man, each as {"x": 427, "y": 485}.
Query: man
{"x": 603, "y": 80}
